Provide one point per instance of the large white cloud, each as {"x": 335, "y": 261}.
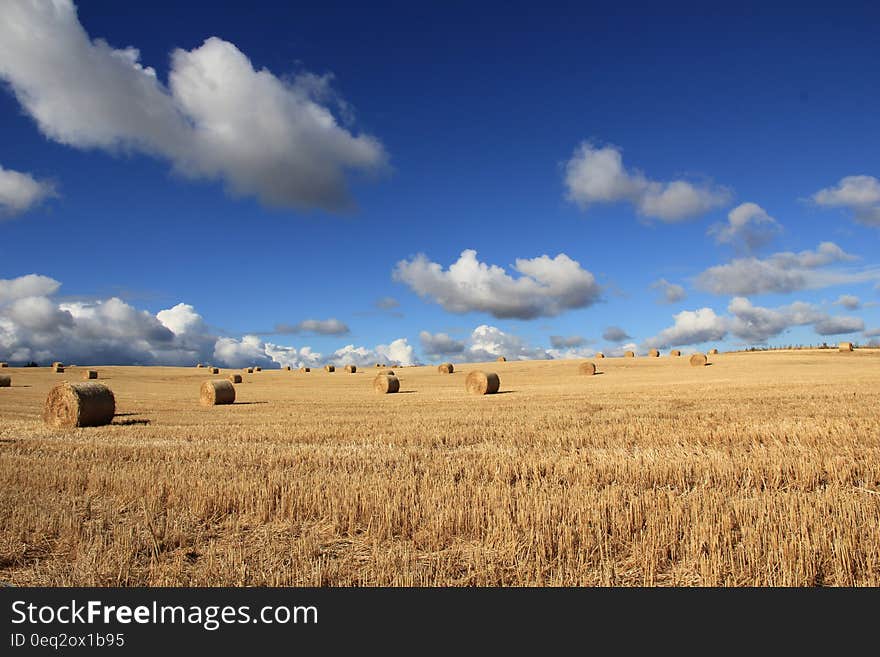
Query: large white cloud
{"x": 19, "y": 192}
{"x": 784, "y": 272}
{"x": 218, "y": 117}
{"x": 597, "y": 175}
{"x": 748, "y": 228}
{"x": 547, "y": 286}
{"x": 861, "y": 194}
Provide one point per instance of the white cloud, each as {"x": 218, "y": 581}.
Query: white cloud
{"x": 784, "y": 272}
{"x": 748, "y": 228}
{"x": 31, "y": 285}
{"x": 19, "y": 192}
{"x": 547, "y": 286}
{"x": 597, "y": 175}
{"x": 387, "y": 303}
{"x": 489, "y": 342}
{"x": 861, "y": 194}
{"x": 670, "y": 292}
{"x": 690, "y": 327}
{"x": 615, "y": 334}
{"x": 247, "y": 351}
{"x": 317, "y": 326}
{"x": 218, "y": 118}
{"x": 848, "y": 301}
{"x": 182, "y": 319}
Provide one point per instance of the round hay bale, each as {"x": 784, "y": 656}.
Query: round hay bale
{"x": 215, "y": 392}
{"x": 654, "y": 353}
{"x": 258, "y": 369}
{"x": 57, "y": 363}
{"x": 378, "y": 364}
{"x": 502, "y": 359}
{"x": 215, "y": 370}
{"x": 587, "y": 368}
{"x": 90, "y": 374}
{"x": 629, "y": 354}
{"x": 845, "y": 346}
{"x": 234, "y": 378}
{"x": 599, "y": 355}
{"x": 698, "y": 360}
{"x": 58, "y": 369}
{"x": 5, "y": 381}
{"x": 4, "y": 364}
{"x": 286, "y": 367}
{"x": 675, "y": 352}
{"x": 713, "y": 352}
{"x": 351, "y": 369}
{"x": 386, "y": 384}
{"x": 248, "y": 370}
{"x": 305, "y": 370}
{"x": 199, "y": 366}
{"x": 79, "y": 405}
{"x": 446, "y": 368}
{"x": 482, "y": 383}
{"x": 329, "y": 368}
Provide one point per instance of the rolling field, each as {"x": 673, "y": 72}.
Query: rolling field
{"x": 761, "y": 469}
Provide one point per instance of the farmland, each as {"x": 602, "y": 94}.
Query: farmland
{"x": 760, "y": 469}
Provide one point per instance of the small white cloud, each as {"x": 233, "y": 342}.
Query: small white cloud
{"x": 31, "y": 285}
{"x": 848, "y": 301}
{"x": 316, "y": 326}
{"x": 860, "y": 194}
{"x": 597, "y": 175}
{"x": 748, "y": 228}
{"x": 615, "y": 334}
{"x": 669, "y": 292}
{"x": 547, "y": 286}
{"x": 387, "y": 303}
{"x": 19, "y": 192}
{"x": 567, "y": 341}
{"x": 690, "y": 327}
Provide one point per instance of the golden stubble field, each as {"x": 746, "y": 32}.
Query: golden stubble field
{"x": 761, "y": 469}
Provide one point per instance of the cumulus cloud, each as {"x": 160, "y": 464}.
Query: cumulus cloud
{"x": 690, "y": 327}
{"x": 31, "y": 285}
{"x": 784, "y": 272}
{"x": 615, "y": 334}
{"x": 217, "y": 118}
{"x": 546, "y": 286}
{"x": 669, "y": 292}
{"x": 567, "y": 342}
{"x": 748, "y": 228}
{"x": 860, "y": 194}
{"x": 438, "y": 345}
{"x": 19, "y": 192}
{"x": 848, "y": 301}
{"x": 317, "y": 326}
{"x": 597, "y": 175}
{"x": 387, "y": 303}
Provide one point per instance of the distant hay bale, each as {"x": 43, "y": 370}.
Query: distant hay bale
{"x": 351, "y": 369}
{"x": 629, "y": 354}
{"x": 378, "y": 364}
{"x": 587, "y": 368}
{"x": 698, "y": 360}
{"x": 79, "y": 405}
{"x": 386, "y": 384}
{"x": 258, "y": 369}
{"x": 234, "y": 378}
{"x": 57, "y": 363}
{"x": 4, "y": 364}
{"x": 446, "y": 368}
{"x": 305, "y": 370}
{"x": 845, "y": 346}
{"x": 385, "y": 372}
{"x": 58, "y": 369}
{"x": 5, "y": 381}
{"x": 675, "y": 352}
{"x": 502, "y": 359}
{"x": 329, "y": 368}
{"x": 482, "y": 383}
{"x": 599, "y": 354}
{"x": 286, "y": 367}
{"x": 713, "y": 352}
{"x": 216, "y": 391}
{"x": 215, "y": 370}
{"x": 654, "y": 353}
{"x": 199, "y": 365}
{"x": 90, "y": 374}
{"x": 248, "y": 370}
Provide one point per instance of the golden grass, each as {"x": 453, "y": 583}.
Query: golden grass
{"x": 761, "y": 469}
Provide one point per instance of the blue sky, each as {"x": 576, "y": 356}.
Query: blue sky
{"x": 611, "y": 143}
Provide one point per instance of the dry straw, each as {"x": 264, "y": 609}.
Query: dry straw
{"x": 215, "y": 370}
{"x": 79, "y": 405}
{"x": 502, "y": 359}
{"x": 482, "y": 383}
{"x": 234, "y": 378}
{"x": 386, "y": 384}
{"x": 5, "y": 381}
{"x": 675, "y": 352}
{"x": 446, "y": 368}
{"x": 216, "y": 391}
{"x": 599, "y": 355}
{"x": 587, "y": 368}
{"x": 630, "y": 354}
{"x": 845, "y": 346}
{"x": 58, "y": 369}
{"x": 329, "y": 368}
{"x": 351, "y": 369}
{"x": 654, "y": 353}
{"x": 90, "y": 374}
{"x": 385, "y": 372}
{"x": 698, "y": 360}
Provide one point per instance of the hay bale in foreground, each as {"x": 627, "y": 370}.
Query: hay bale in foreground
{"x": 654, "y": 353}
{"x": 446, "y": 368}
{"x": 482, "y": 383}
{"x": 5, "y": 381}
{"x": 329, "y": 368}
{"x": 502, "y": 359}
{"x": 675, "y": 352}
{"x": 587, "y": 368}
{"x": 713, "y": 352}
{"x": 351, "y": 369}
{"x": 234, "y": 378}
{"x": 79, "y": 405}
{"x": 305, "y": 370}
{"x": 386, "y": 384}
{"x": 599, "y": 354}
{"x": 698, "y": 360}
{"x": 215, "y": 392}
{"x": 215, "y": 370}
{"x": 90, "y": 374}
{"x": 58, "y": 369}
{"x": 845, "y": 346}
{"x": 629, "y": 354}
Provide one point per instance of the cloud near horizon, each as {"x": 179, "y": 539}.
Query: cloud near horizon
{"x": 218, "y": 118}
